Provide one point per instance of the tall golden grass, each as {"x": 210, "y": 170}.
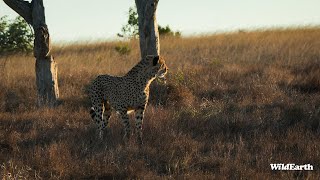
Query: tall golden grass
{"x": 233, "y": 104}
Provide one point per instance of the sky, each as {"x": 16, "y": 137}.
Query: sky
{"x": 79, "y": 20}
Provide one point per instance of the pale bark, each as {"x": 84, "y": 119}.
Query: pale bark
{"x": 46, "y": 68}
{"x": 148, "y": 27}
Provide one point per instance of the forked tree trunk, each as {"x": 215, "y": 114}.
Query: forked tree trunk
{"x": 46, "y": 68}
{"x": 148, "y": 27}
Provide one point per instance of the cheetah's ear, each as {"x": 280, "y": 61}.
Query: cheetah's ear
{"x": 155, "y": 60}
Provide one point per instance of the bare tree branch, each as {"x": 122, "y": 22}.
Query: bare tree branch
{"x": 23, "y": 8}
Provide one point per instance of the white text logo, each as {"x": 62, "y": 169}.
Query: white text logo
{"x": 291, "y": 167}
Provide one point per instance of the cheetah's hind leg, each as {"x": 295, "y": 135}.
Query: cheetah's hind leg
{"x": 139, "y": 122}
{"x": 126, "y": 124}
{"x": 97, "y": 112}
{"x": 106, "y": 113}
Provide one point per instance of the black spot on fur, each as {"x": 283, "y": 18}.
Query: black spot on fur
{"x": 155, "y": 60}
{"x": 92, "y": 113}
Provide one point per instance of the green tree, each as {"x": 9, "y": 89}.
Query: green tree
{"x": 15, "y": 36}
{"x": 131, "y": 29}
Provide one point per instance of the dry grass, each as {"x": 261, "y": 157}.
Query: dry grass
{"x": 234, "y": 103}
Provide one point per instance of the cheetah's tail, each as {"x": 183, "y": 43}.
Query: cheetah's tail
{"x": 92, "y": 113}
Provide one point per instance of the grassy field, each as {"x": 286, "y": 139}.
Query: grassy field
{"x": 233, "y": 104}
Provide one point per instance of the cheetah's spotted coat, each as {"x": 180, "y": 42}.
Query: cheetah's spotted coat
{"x": 126, "y": 93}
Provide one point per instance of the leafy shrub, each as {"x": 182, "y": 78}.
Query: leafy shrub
{"x": 166, "y": 31}
{"x": 123, "y": 49}
{"x": 15, "y": 36}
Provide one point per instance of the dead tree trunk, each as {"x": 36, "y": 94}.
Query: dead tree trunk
{"x": 46, "y": 67}
{"x": 148, "y": 27}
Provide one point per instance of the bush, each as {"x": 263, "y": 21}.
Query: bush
{"x": 123, "y": 49}
{"x": 15, "y": 36}
{"x": 166, "y": 31}
{"x": 131, "y": 30}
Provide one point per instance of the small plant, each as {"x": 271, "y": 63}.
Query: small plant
{"x": 15, "y": 36}
{"x": 123, "y": 49}
{"x": 180, "y": 77}
{"x": 215, "y": 62}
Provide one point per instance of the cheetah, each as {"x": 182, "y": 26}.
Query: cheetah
{"x": 125, "y": 94}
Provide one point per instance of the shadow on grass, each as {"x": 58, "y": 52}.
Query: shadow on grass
{"x": 84, "y": 142}
{"x": 235, "y": 121}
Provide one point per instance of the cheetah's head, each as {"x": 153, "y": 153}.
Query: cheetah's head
{"x": 158, "y": 68}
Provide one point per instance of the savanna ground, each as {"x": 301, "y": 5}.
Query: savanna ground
{"x": 233, "y": 104}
